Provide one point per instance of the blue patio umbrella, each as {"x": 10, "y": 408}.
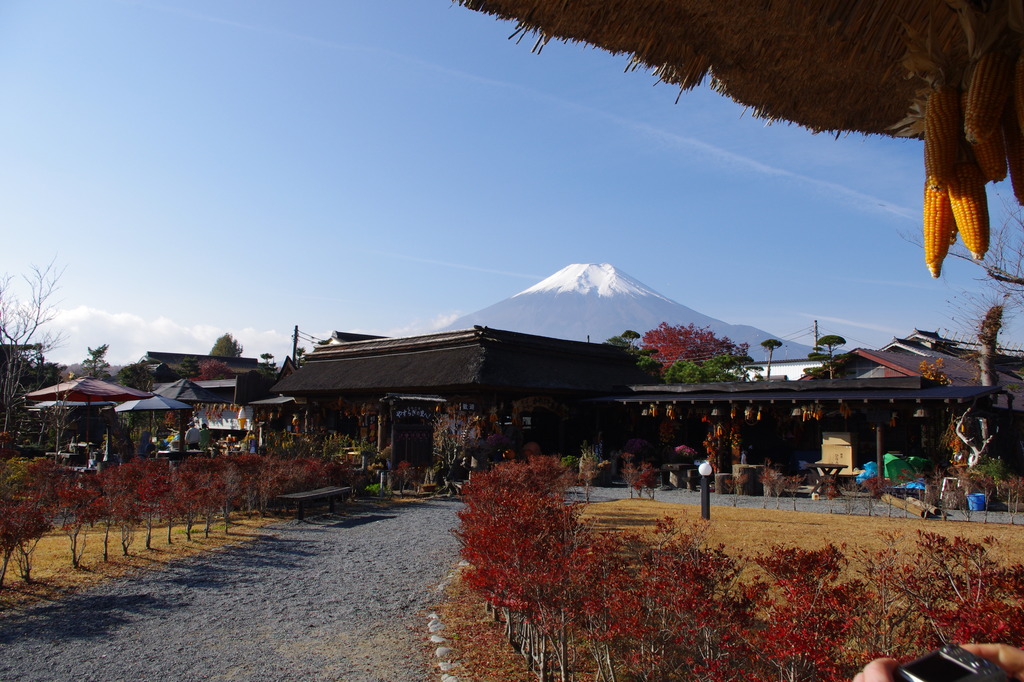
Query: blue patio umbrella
{"x": 157, "y": 403}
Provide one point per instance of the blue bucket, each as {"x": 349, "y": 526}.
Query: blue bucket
{"x": 976, "y": 501}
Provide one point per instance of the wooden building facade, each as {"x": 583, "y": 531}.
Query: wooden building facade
{"x": 478, "y": 383}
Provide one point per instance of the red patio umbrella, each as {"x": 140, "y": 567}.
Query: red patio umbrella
{"x": 87, "y": 390}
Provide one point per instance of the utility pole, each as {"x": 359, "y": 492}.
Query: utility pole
{"x": 295, "y": 345}
{"x": 815, "y": 332}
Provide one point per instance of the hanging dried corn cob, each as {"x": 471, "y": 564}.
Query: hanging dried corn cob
{"x": 990, "y": 153}
{"x": 942, "y": 125}
{"x": 1014, "y": 151}
{"x": 991, "y": 156}
{"x": 939, "y": 227}
{"x": 990, "y": 86}
{"x": 970, "y": 207}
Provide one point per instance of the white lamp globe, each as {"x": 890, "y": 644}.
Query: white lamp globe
{"x": 704, "y": 469}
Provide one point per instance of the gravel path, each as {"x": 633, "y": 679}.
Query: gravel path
{"x": 862, "y": 506}
{"x": 333, "y": 598}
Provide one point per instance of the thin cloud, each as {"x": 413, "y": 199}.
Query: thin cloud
{"x": 853, "y": 323}
{"x": 420, "y": 327}
{"x": 723, "y": 157}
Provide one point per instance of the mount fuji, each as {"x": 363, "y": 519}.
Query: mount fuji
{"x": 596, "y": 302}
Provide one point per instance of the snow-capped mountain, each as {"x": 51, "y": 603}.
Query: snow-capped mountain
{"x": 596, "y": 302}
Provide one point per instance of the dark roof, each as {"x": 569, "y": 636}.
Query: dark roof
{"x": 469, "y": 359}
{"x": 276, "y": 400}
{"x": 959, "y": 371}
{"x": 348, "y": 337}
{"x": 848, "y": 390}
{"x": 173, "y": 360}
{"x": 961, "y": 346}
{"x": 189, "y": 392}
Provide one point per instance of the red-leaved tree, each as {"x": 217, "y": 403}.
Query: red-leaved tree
{"x": 210, "y": 370}
{"x": 528, "y": 551}
{"x": 689, "y": 342}
{"x": 805, "y": 607}
{"x": 155, "y": 498}
{"x": 22, "y": 524}
{"x": 962, "y": 592}
{"x": 75, "y": 508}
{"x": 682, "y": 611}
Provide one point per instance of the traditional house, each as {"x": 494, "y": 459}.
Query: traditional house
{"x": 477, "y": 382}
{"x": 911, "y": 398}
{"x": 165, "y": 366}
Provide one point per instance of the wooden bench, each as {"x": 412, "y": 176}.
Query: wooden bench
{"x": 300, "y": 499}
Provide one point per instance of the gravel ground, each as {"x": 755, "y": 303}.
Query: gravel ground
{"x": 332, "y": 598}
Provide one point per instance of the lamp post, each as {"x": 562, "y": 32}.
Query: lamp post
{"x": 705, "y": 471}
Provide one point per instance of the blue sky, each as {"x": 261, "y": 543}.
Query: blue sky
{"x": 247, "y": 166}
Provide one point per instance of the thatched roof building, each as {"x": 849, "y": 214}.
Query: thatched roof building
{"x": 470, "y": 360}
{"x": 482, "y": 381}
{"x": 165, "y": 366}
{"x": 828, "y": 65}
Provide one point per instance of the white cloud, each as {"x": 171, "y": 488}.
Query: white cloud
{"x": 424, "y": 326}
{"x": 130, "y": 336}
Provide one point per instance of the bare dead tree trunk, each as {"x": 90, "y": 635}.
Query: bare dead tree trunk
{"x": 988, "y": 335}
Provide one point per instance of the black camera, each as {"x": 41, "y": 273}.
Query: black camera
{"x": 950, "y": 664}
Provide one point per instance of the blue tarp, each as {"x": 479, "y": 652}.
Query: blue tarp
{"x": 903, "y": 472}
{"x": 870, "y": 471}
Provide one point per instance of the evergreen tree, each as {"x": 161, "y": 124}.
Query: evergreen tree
{"x": 227, "y": 347}
{"x": 188, "y": 368}
{"x": 644, "y": 357}
{"x": 833, "y": 366}
{"x": 717, "y": 369}
{"x": 268, "y": 367}
{"x": 770, "y": 345}
{"x": 136, "y": 375}
{"x": 96, "y": 364}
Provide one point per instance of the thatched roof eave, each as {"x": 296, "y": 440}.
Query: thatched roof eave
{"x": 830, "y": 65}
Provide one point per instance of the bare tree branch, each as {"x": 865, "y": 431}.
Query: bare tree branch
{"x": 22, "y": 334}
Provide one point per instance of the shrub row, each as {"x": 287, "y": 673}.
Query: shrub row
{"x": 667, "y": 605}
{"x": 38, "y": 495}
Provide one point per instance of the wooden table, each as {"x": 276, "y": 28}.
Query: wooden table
{"x": 677, "y": 473}
{"x": 826, "y": 471}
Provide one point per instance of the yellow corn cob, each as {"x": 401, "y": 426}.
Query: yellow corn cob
{"x": 987, "y": 94}
{"x": 942, "y": 126}
{"x": 1014, "y": 151}
{"x": 970, "y": 207}
{"x": 939, "y": 227}
{"x": 990, "y": 154}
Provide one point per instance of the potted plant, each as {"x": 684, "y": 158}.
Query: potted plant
{"x": 684, "y": 454}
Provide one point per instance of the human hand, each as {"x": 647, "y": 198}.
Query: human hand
{"x": 878, "y": 670}
{"x": 1010, "y": 659}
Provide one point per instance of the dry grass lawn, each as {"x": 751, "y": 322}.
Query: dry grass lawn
{"x": 750, "y": 531}
{"x": 53, "y": 576}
